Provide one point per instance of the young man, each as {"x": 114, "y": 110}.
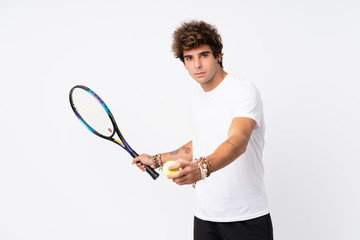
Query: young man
{"x": 227, "y": 144}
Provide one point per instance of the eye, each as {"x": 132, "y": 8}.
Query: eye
{"x": 204, "y": 55}
{"x": 187, "y": 58}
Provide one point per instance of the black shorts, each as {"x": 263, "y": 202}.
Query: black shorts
{"x": 254, "y": 229}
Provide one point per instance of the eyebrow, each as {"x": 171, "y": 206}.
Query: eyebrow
{"x": 208, "y": 52}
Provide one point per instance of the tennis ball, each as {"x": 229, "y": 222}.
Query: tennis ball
{"x": 166, "y": 171}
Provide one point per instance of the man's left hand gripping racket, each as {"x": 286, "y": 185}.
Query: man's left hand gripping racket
{"x": 96, "y": 116}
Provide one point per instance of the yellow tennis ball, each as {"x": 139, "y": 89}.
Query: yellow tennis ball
{"x": 166, "y": 171}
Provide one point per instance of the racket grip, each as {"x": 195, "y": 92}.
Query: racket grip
{"x": 151, "y": 172}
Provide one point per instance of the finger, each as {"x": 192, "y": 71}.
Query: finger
{"x": 135, "y": 160}
{"x": 175, "y": 175}
{"x": 181, "y": 181}
{"x": 140, "y": 166}
{"x": 182, "y": 163}
{"x": 174, "y": 166}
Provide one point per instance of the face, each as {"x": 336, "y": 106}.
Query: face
{"x": 202, "y": 65}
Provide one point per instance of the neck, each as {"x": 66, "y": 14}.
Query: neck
{"x": 218, "y": 78}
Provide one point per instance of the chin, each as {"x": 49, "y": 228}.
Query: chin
{"x": 201, "y": 79}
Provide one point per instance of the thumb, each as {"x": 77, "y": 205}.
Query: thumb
{"x": 135, "y": 160}
{"x": 174, "y": 166}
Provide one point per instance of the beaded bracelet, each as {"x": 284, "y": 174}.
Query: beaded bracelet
{"x": 204, "y": 167}
{"x": 157, "y": 161}
{"x": 206, "y": 164}
{"x": 203, "y": 171}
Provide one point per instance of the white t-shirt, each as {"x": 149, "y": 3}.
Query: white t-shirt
{"x": 235, "y": 192}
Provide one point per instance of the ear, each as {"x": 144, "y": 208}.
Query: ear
{"x": 219, "y": 58}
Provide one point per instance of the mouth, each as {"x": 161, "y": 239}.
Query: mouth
{"x": 199, "y": 74}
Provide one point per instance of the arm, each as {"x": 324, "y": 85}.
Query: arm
{"x": 185, "y": 153}
{"x": 238, "y": 137}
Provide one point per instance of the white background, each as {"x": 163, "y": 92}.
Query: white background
{"x": 58, "y": 181}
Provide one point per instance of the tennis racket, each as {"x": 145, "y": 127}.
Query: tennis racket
{"x": 96, "y": 116}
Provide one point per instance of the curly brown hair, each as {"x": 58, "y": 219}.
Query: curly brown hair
{"x": 194, "y": 33}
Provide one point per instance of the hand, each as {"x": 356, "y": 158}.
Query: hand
{"x": 189, "y": 172}
{"x": 144, "y": 159}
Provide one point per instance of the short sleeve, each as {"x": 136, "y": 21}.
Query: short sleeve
{"x": 248, "y": 103}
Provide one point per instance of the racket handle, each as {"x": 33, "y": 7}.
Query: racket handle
{"x": 149, "y": 169}
{"x": 151, "y": 172}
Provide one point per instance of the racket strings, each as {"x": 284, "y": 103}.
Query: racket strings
{"x": 92, "y": 112}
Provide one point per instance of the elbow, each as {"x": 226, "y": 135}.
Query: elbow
{"x": 241, "y": 150}
{"x": 242, "y": 146}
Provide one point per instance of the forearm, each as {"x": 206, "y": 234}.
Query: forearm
{"x": 238, "y": 137}
{"x": 185, "y": 152}
{"x": 227, "y": 152}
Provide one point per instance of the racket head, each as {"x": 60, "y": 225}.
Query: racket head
{"x": 92, "y": 111}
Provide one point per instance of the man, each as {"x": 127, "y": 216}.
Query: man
{"x": 223, "y": 160}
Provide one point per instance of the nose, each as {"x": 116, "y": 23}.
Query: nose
{"x": 197, "y": 62}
